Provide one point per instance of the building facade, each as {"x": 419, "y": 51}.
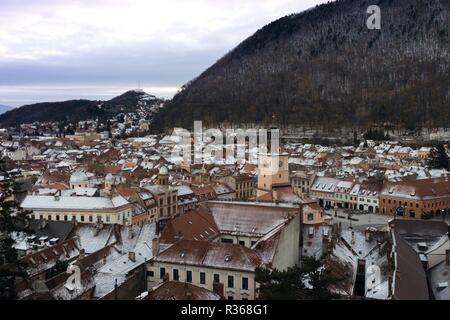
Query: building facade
{"x": 416, "y": 198}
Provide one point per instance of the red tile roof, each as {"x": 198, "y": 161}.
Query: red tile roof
{"x": 211, "y": 255}
{"x": 193, "y": 225}
{"x": 174, "y": 290}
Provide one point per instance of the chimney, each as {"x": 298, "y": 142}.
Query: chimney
{"x": 130, "y": 232}
{"x": 132, "y": 256}
{"x": 447, "y": 257}
{"x": 155, "y": 246}
{"x": 218, "y": 288}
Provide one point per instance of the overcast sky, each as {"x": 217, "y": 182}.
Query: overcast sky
{"x": 53, "y": 50}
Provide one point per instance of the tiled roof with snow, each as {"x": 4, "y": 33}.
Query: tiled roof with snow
{"x": 84, "y": 203}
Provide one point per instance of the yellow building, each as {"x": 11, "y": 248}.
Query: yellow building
{"x": 273, "y": 171}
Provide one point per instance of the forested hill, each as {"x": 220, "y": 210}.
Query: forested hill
{"x": 77, "y": 110}
{"x": 325, "y": 67}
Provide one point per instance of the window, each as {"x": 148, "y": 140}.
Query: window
{"x": 310, "y": 216}
{"x": 49, "y": 217}
{"x": 90, "y": 218}
{"x": 216, "y": 277}
{"x": 253, "y": 242}
{"x": 57, "y": 217}
{"x": 150, "y": 274}
{"x": 230, "y": 282}
{"x": 230, "y": 298}
{"x": 108, "y": 219}
{"x": 227, "y": 240}
{"x": 65, "y": 218}
{"x": 176, "y": 276}
{"x": 242, "y": 243}
{"x": 244, "y": 283}
{"x": 162, "y": 272}
{"x": 202, "y": 278}
{"x": 82, "y": 218}
{"x": 188, "y": 276}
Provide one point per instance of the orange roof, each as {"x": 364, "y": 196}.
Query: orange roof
{"x": 58, "y": 185}
{"x": 112, "y": 169}
{"x": 267, "y": 197}
{"x": 249, "y": 167}
{"x": 193, "y": 225}
{"x": 174, "y": 290}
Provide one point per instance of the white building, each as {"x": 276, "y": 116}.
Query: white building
{"x": 81, "y": 209}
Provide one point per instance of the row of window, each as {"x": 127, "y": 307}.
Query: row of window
{"x": 411, "y": 204}
{"x": 170, "y": 211}
{"x": 65, "y": 217}
{"x": 245, "y": 185}
{"x": 241, "y": 242}
{"x": 245, "y": 193}
{"x": 368, "y": 200}
{"x": 202, "y": 275}
{"x": 169, "y": 200}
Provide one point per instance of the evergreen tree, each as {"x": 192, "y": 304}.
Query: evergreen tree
{"x": 11, "y": 220}
{"x": 355, "y": 138}
{"x": 311, "y": 281}
{"x": 438, "y": 158}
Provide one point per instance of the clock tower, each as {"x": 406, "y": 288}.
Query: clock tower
{"x": 273, "y": 171}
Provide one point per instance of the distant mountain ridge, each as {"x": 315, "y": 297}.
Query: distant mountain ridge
{"x": 324, "y": 67}
{"x": 4, "y": 108}
{"x": 77, "y": 110}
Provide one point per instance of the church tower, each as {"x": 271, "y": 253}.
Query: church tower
{"x": 273, "y": 171}
{"x": 163, "y": 176}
